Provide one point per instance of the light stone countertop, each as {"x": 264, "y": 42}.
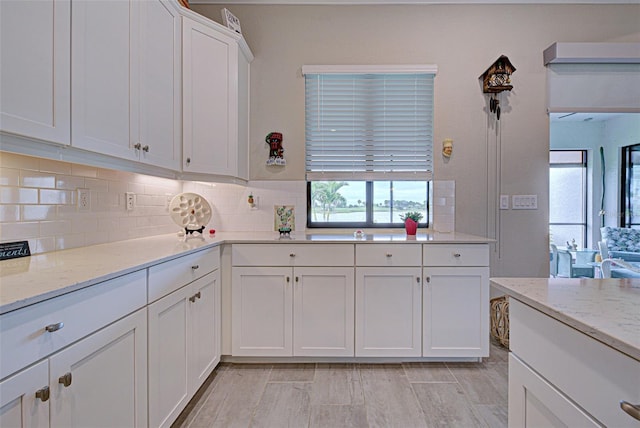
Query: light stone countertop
{"x": 607, "y": 310}
{"x": 28, "y": 280}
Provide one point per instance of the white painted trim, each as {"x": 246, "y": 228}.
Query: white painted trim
{"x": 361, "y": 69}
{"x": 592, "y": 53}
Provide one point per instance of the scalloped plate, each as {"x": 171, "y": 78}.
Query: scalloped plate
{"x": 190, "y": 211}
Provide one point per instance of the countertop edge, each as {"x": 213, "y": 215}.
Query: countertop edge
{"x": 589, "y": 330}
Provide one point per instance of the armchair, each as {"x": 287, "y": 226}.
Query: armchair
{"x": 578, "y": 268}
{"x": 616, "y": 268}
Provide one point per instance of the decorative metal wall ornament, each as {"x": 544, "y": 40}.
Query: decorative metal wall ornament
{"x": 276, "y": 151}
{"x": 495, "y": 79}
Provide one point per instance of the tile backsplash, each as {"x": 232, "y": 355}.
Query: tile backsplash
{"x": 38, "y": 203}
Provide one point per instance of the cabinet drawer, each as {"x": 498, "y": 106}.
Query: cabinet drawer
{"x": 388, "y": 255}
{"x": 599, "y": 376}
{"x": 455, "y": 255}
{"x": 167, "y": 277}
{"x": 292, "y": 255}
{"x": 24, "y": 339}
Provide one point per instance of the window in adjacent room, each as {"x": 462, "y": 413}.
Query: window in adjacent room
{"x": 630, "y": 187}
{"x": 568, "y": 197}
{"x": 369, "y": 144}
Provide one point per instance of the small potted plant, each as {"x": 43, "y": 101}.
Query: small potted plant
{"x": 411, "y": 220}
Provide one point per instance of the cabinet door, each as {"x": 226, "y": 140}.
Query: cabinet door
{"x": 388, "y": 312}
{"x": 19, "y": 406}
{"x": 102, "y": 378}
{"x": 262, "y": 309}
{"x": 323, "y": 311}
{"x": 104, "y": 71}
{"x": 168, "y": 353}
{"x": 210, "y": 100}
{"x": 160, "y": 84}
{"x": 35, "y": 69}
{"x": 533, "y": 402}
{"x": 204, "y": 328}
{"x": 456, "y": 312}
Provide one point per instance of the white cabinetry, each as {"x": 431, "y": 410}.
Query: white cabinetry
{"x": 126, "y": 80}
{"x": 455, "y": 300}
{"x": 292, "y": 300}
{"x": 388, "y": 300}
{"x": 35, "y": 85}
{"x": 559, "y": 376}
{"x": 210, "y": 100}
{"x": 85, "y": 372}
{"x": 184, "y": 331}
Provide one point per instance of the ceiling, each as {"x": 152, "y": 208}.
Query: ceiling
{"x": 584, "y": 117}
{"x": 399, "y": 2}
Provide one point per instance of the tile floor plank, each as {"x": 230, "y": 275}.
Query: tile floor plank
{"x": 428, "y": 372}
{"x": 445, "y": 405}
{"x": 325, "y": 416}
{"x": 294, "y": 372}
{"x": 283, "y": 405}
{"x": 337, "y": 384}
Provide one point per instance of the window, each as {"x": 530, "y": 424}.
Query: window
{"x": 630, "y": 186}
{"x": 369, "y": 139}
{"x": 568, "y": 197}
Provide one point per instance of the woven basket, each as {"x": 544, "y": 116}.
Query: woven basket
{"x": 499, "y": 307}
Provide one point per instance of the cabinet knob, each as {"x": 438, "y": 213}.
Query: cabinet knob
{"x": 43, "y": 394}
{"x": 65, "y": 379}
{"x": 418, "y": 279}
{"x": 427, "y": 278}
{"x": 456, "y": 255}
{"x": 188, "y": 161}
{"x": 288, "y": 279}
{"x": 194, "y": 267}
{"x": 137, "y": 146}
{"x": 192, "y": 298}
{"x": 632, "y": 410}
{"x": 145, "y": 149}
{"x": 54, "y": 327}
{"x": 297, "y": 279}
{"x": 198, "y": 295}
{"x": 389, "y": 255}
{"x": 292, "y": 254}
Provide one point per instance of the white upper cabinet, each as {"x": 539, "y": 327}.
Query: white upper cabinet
{"x": 210, "y": 100}
{"x": 35, "y": 69}
{"x": 126, "y": 80}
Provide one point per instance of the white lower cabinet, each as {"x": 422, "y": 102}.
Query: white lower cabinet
{"x": 283, "y": 311}
{"x": 100, "y": 380}
{"x": 388, "y": 312}
{"x": 534, "y": 402}
{"x": 184, "y": 346}
{"x": 455, "y": 312}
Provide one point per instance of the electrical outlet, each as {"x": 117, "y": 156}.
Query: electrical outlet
{"x": 83, "y": 199}
{"x": 130, "y": 201}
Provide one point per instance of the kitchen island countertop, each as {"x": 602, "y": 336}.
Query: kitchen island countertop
{"x": 28, "y": 280}
{"x": 607, "y": 310}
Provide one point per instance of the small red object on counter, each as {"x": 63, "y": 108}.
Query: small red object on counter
{"x": 212, "y": 231}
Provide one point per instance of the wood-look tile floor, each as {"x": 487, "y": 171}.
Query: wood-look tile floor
{"x": 327, "y": 395}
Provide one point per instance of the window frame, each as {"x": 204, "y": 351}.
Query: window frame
{"x": 626, "y": 176}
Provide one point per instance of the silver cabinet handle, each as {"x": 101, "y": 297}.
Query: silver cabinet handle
{"x": 54, "y": 327}
{"x": 632, "y": 410}
{"x": 456, "y": 255}
{"x": 145, "y": 149}
{"x": 389, "y": 255}
{"x": 137, "y": 146}
{"x": 43, "y": 394}
{"x": 194, "y": 267}
{"x": 65, "y": 379}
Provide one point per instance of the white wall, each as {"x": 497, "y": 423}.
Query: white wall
{"x": 462, "y": 40}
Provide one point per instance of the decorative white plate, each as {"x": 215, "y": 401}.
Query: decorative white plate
{"x": 190, "y": 211}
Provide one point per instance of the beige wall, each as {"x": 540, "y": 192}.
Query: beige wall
{"x": 462, "y": 40}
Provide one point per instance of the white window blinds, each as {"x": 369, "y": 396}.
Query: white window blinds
{"x": 369, "y": 123}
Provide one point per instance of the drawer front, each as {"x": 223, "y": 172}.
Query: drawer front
{"x": 599, "y": 376}
{"x": 292, "y": 255}
{"x": 455, "y": 255}
{"x": 388, "y": 255}
{"x": 24, "y": 339}
{"x": 165, "y": 278}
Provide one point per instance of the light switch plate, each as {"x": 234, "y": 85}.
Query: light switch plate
{"x": 504, "y": 202}
{"x": 524, "y": 202}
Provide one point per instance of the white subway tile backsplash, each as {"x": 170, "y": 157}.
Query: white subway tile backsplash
{"x": 56, "y": 197}
{"x": 70, "y": 182}
{"x": 9, "y": 177}
{"x": 83, "y": 170}
{"x": 37, "y": 179}
{"x": 17, "y": 195}
{"x": 9, "y": 213}
{"x": 38, "y": 212}
{"x": 57, "y": 167}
